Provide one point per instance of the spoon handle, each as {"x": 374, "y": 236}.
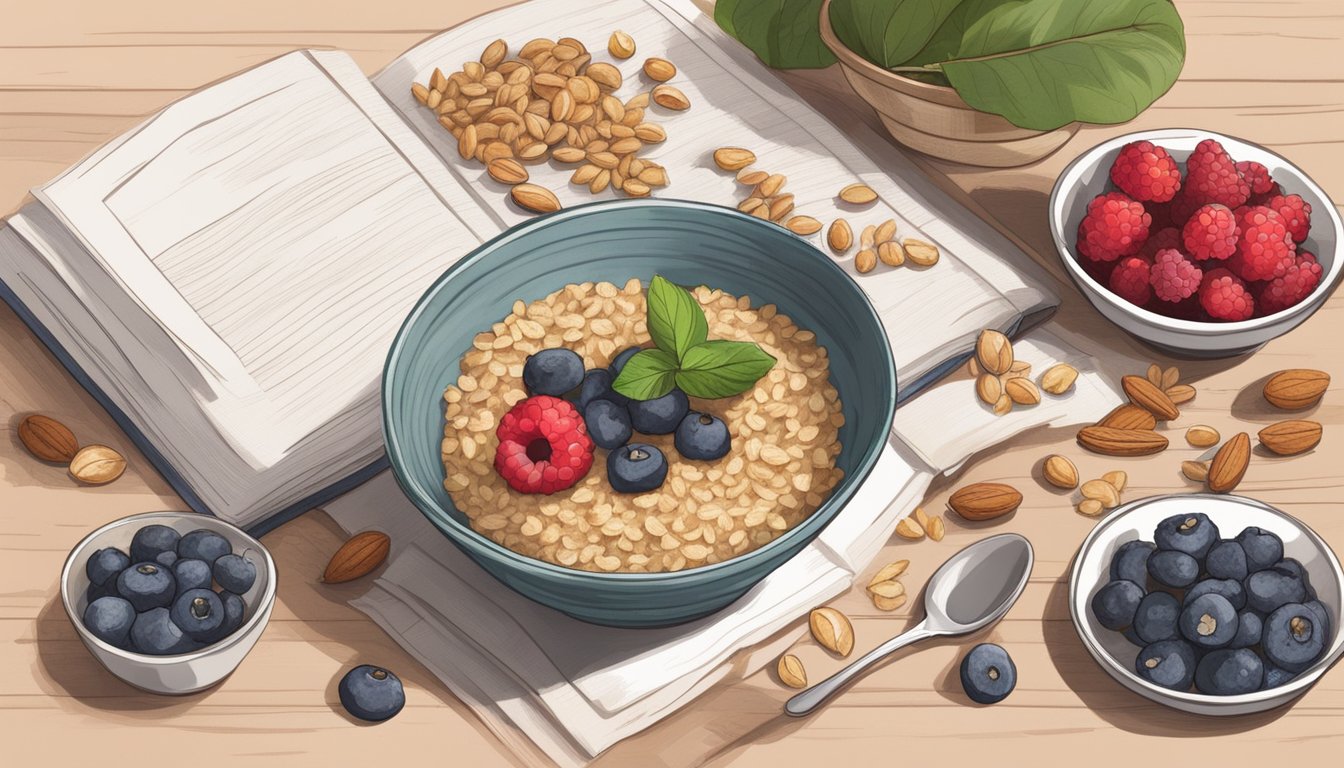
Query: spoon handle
{"x": 807, "y": 701}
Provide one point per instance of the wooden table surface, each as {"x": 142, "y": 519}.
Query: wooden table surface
{"x": 75, "y": 74}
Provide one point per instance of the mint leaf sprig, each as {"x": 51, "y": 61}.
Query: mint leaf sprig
{"x": 684, "y": 356}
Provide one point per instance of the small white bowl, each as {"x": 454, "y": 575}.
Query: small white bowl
{"x": 1089, "y": 175}
{"x": 1136, "y": 520}
{"x": 182, "y": 673}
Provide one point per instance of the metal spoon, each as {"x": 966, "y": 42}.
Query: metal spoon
{"x": 973, "y": 589}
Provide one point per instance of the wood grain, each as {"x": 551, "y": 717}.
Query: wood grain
{"x": 75, "y": 74}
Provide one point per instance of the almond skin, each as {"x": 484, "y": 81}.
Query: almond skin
{"x": 1289, "y": 438}
{"x": 985, "y": 501}
{"x": 97, "y": 465}
{"x": 1146, "y": 395}
{"x": 1121, "y": 442}
{"x": 994, "y": 351}
{"x": 1230, "y": 463}
{"x": 1060, "y": 472}
{"x": 48, "y": 439}
{"x": 1296, "y": 388}
{"x": 357, "y": 557}
{"x": 1129, "y": 416}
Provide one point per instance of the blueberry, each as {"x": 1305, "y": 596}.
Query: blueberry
{"x": 1300, "y": 571}
{"x": 371, "y": 693}
{"x": 988, "y": 674}
{"x": 235, "y": 573}
{"x": 109, "y": 619}
{"x": 199, "y": 613}
{"x": 1229, "y": 672}
{"x": 146, "y": 585}
{"x": 149, "y": 541}
{"x": 106, "y": 564}
{"x": 597, "y": 386}
{"x": 702, "y": 437}
{"x": 1228, "y": 588}
{"x": 1250, "y": 628}
{"x": 201, "y": 544}
{"x": 1194, "y": 534}
{"x": 621, "y": 359}
{"x": 191, "y": 574}
{"x": 1131, "y": 561}
{"x": 552, "y": 371}
{"x": 166, "y": 559}
{"x": 1208, "y": 621}
{"x": 1133, "y": 637}
{"x": 106, "y": 589}
{"x": 1276, "y": 676}
{"x": 1156, "y": 617}
{"x": 1271, "y": 588}
{"x": 1226, "y": 560}
{"x": 661, "y": 415}
{"x": 1115, "y": 604}
{"x": 1322, "y": 618}
{"x": 608, "y": 424}
{"x": 1294, "y": 637}
{"x": 155, "y": 633}
{"x": 235, "y": 608}
{"x": 636, "y": 468}
{"x": 1172, "y": 568}
{"x": 1168, "y": 663}
{"x": 1262, "y": 548}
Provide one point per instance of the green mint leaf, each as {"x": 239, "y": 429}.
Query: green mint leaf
{"x": 649, "y": 374}
{"x": 676, "y": 321}
{"x": 722, "y": 368}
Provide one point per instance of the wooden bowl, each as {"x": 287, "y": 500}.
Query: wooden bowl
{"x": 934, "y": 120}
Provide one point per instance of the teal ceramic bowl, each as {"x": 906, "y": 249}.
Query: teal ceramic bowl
{"x": 689, "y": 243}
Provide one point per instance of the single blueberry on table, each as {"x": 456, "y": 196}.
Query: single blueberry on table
{"x": 1229, "y": 588}
{"x": 1275, "y": 676}
{"x": 1263, "y": 549}
{"x": 1226, "y": 560}
{"x": 621, "y": 359}
{"x": 109, "y": 619}
{"x": 703, "y": 437}
{"x": 1168, "y": 663}
{"x": 608, "y": 424}
{"x": 201, "y": 544}
{"x": 1131, "y": 561}
{"x": 988, "y": 674}
{"x": 106, "y": 564}
{"x": 1172, "y": 568}
{"x": 552, "y": 371}
{"x": 166, "y": 559}
{"x": 597, "y": 386}
{"x": 1156, "y": 617}
{"x": 661, "y": 415}
{"x": 235, "y": 573}
{"x": 1115, "y": 604}
{"x": 1229, "y": 672}
{"x": 1271, "y": 588}
{"x": 146, "y": 586}
{"x": 1194, "y": 534}
{"x": 1250, "y": 629}
{"x": 149, "y": 541}
{"x": 371, "y": 693}
{"x": 199, "y": 613}
{"x": 1294, "y": 639}
{"x": 155, "y": 633}
{"x": 636, "y": 468}
{"x": 191, "y": 574}
{"x": 1208, "y": 621}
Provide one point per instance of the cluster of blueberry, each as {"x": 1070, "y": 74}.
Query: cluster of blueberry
{"x": 612, "y": 418}
{"x": 158, "y": 598}
{"x": 1231, "y": 616}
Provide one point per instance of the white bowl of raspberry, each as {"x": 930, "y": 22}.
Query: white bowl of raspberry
{"x": 1201, "y": 244}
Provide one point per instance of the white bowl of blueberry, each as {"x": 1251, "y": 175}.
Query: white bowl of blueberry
{"x": 1217, "y": 605}
{"x": 170, "y": 602}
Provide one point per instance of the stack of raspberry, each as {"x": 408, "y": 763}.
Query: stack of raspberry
{"x": 1217, "y": 243}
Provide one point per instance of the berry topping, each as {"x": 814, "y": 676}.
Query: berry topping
{"x": 1146, "y": 172}
{"x": 1130, "y": 280}
{"x": 552, "y": 372}
{"x": 1174, "y": 276}
{"x": 1296, "y": 214}
{"x": 608, "y": 423}
{"x": 543, "y": 446}
{"x": 1293, "y": 286}
{"x": 702, "y": 436}
{"x": 1263, "y": 248}
{"x": 661, "y": 415}
{"x": 1212, "y": 177}
{"x": 636, "y": 468}
{"x": 1256, "y": 176}
{"x": 1224, "y": 296}
{"x": 1114, "y": 226}
{"x": 1211, "y": 233}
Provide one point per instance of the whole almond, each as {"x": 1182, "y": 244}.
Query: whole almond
{"x": 936, "y": 528}
{"x": 885, "y": 231}
{"x": 791, "y": 672}
{"x": 772, "y": 184}
{"x": 889, "y": 572}
{"x": 506, "y": 170}
{"x": 1118, "y": 478}
{"x": 858, "y": 194}
{"x": 1195, "y": 470}
{"x": 1019, "y": 368}
{"x": 804, "y": 225}
{"x": 1202, "y": 436}
{"x": 1060, "y": 472}
{"x": 668, "y": 97}
{"x": 908, "y": 528}
{"x": 1090, "y": 507}
{"x": 751, "y": 177}
{"x": 1022, "y": 391}
{"x": 650, "y": 133}
{"x": 1146, "y": 395}
{"x": 890, "y": 588}
{"x": 97, "y": 465}
{"x": 1102, "y": 491}
{"x": 1059, "y": 378}
{"x": 891, "y": 253}
{"x": 606, "y": 76}
{"x": 494, "y": 54}
{"x": 832, "y": 630}
{"x": 1289, "y": 438}
{"x": 985, "y": 501}
{"x": 994, "y": 351}
{"x": 621, "y": 45}
{"x": 1121, "y": 442}
{"x": 48, "y": 439}
{"x": 919, "y": 252}
{"x": 1230, "y": 463}
{"x": 1296, "y": 388}
{"x": 660, "y": 70}
{"x": 1129, "y": 416}
{"x": 1169, "y": 378}
{"x": 1003, "y": 405}
{"x": 988, "y": 388}
{"x": 839, "y": 236}
{"x": 887, "y": 603}
{"x": 1154, "y": 374}
{"x": 357, "y": 557}
{"x": 865, "y": 260}
{"x": 1181, "y": 393}
{"x": 734, "y": 158}
{"x": 535, "y": 198}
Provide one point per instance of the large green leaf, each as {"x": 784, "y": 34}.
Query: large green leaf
{"x": 783, "y": 33}
{"x": 1045, "y": 63}
{"x": 888, "y": 32}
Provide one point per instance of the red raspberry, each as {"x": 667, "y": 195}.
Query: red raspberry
{"x": 1211, "y": 233}
{"x": 1274, "y": 191}
{"x": 1296, "y": 214}
{"x": 1263, "y": 248}
{"x": 1146, "y": 172}
{"x": 1129, "y": 280}
{"x": 1256, "y": 176}
{"x": 1295, "y": 285}
{"x": 1167, "y": 237}
{"x": 1114, "y": 226}
{"x": 1211, "y": 177}
{"x": 543, "y": 446}
{"x": 1174, "y": 276}
{"x": 1224, "y": 296}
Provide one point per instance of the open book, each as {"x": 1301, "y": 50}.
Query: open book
{"x": 227, "y": 277}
